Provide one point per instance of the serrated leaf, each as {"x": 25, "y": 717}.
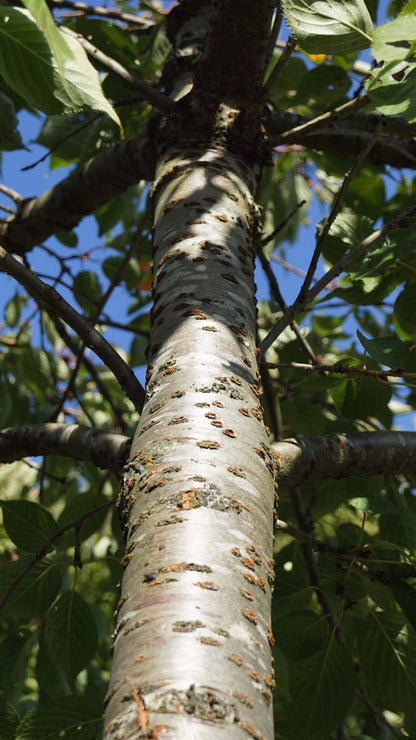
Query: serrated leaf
{"x": 388, "y": 351}
{"x": 404, "y": 312}
{"x": 387, "y": 648}
{"x": 32, "y": 73}
{"x": 360, "y": 397}
{"x": 73, "y": 718}
{"x": 28, "y": 525}
{"x": 322, "y": 687}
{"x": 394, "y": 40}
{"x": 329, "y": 26}
{"x": 391, "y": 88}
{"x": 79, "y": 86}
{"x": 71, "y": 634}
{"x": 9, "y": 720}
{"x": 31, "y": 593}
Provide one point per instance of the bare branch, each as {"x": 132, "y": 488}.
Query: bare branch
{"x": 401, "y": 222}
{"x": 395, "y": 147}
{"x": 341, "y": 369}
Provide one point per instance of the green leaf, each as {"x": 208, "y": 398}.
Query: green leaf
{"x": 281, "y": 672}
{"x": 71, "y": 634}
{"x": 391, "y": 88}
{"x": 394, "y": 40}
{"x": 32, "y": 592}
{"x": 32, "y": 73}
{"x": 14, "y": 654}
{"x": 8, "y": 720}
{"x": 72, "y": 718}
{"x": 138, "y": 349}
{"x": 360, "y": 397}
{"x": 322, "y": 687}
{"x": 87, "y": 290}
{"x": 387, "y": 648}
{"x": 404, "y": 312}
{"x": 79, "y": 506}
{"x": 405, "y": 594}
{"x": 9, "y": 136}
{"x": 329, "y": 26}
{"x": 349, "y": 229}
{"x": 301, "y": 633}
{"x": 373, "y": 503}
{"x": 13, "y": 310}
{"x": 79, "y": 86}
{"x": 388, "y": 351}
{"x": 28, "y": 525}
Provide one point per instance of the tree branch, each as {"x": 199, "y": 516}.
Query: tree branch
{"x": 314, "y": 457}
{"x": 52, "y": 301}
{"x": 93, "y": 183}
{"x": 346, "y": 138}
{"x": 107, "y": 450}
{"x": 401, "y": 222}
{"x": 110, "y": 13}
{"x": 332, "y": 456}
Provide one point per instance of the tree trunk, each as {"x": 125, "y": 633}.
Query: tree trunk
{"x": 193, "y": 638}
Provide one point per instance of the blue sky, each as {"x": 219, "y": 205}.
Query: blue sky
{"x": 36, "y": 180}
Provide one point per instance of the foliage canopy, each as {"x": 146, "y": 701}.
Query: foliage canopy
{"x": 339, "y": 127}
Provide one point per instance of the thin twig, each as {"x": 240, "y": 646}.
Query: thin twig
{"x": 13, "y": 194}
{"x": 44, "y": 549}
{"x": 277, "y": 69}
{"x": 94, "y": 319}
{"x": 111, "y": 13}
{"x": 277, "y": 22}
{"x": 59, "y": 143}
{"x": 51, "y": 300}
{"x": 281, "y": 225}
{"x": 346, "y": 109}
{"x": 401, "y": 222}
{"x": 278, "y": 297}
{"x": 340, "y": 369}
{"x": 335, "y": 208}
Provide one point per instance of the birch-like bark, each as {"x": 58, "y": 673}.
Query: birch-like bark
{"x": 199, "y": 487}
{"x": 314, "y": 457}
{"x": 192, "y": 652}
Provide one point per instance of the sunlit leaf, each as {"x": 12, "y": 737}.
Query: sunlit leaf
{"x": 389, "y": 351}
{"x": 329, "y": 26}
